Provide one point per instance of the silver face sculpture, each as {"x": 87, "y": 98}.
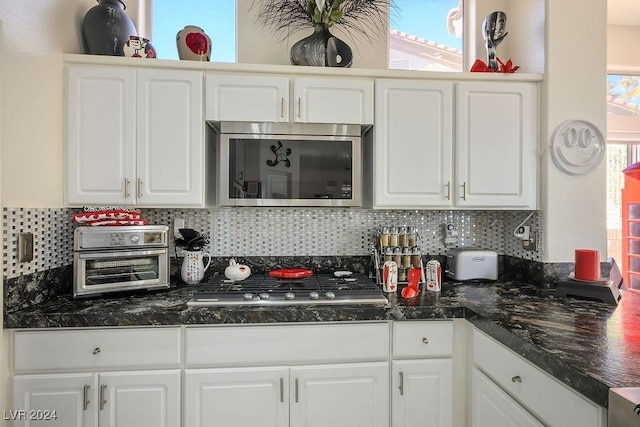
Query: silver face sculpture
{"x": 493, "y": 31}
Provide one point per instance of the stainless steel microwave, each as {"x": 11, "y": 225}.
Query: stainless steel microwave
{"x": 290, "y": 164}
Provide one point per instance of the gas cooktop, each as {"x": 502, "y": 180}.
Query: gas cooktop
{"x": 262, "y": 290}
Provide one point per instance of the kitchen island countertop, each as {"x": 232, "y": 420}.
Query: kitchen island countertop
{"x": 587, "y": 345}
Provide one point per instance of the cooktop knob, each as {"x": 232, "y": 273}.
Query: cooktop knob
{"x": 314, "y": 295}
{"x": 264, "y": 296}
{"x": 248, "y": 296}
{"x": 289, "y": 296}
{"x": 330, "y": 295}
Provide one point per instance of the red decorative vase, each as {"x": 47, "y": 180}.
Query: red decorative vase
{"x": 193, "y": 44}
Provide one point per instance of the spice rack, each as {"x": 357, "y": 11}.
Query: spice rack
{"x": 400, "y": 244}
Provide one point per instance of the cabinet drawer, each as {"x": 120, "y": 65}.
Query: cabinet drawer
{"x": 46, "y": 350}
{"x": 548, "y": 399}
{"x": 286, "y": 344}
{"x": 422, "y": 339}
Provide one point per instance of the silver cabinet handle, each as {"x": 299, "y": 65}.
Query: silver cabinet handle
{"x": 281, "y": 390}
{"x": 516, "y": 379}
{"x": 85, "y": 397}
{"x": 448, "y": 190}
{"x": 103, "y": 396}
{"x": 425, "y": 340}
{"x": 464, "y": 191}
{"x": 401, "y": 383}
{"x": 296, "y": 390}
{"x": 126, "y": 188}
{"x": 282, "y": 108}
{"x": 139, "y": 187}
{"x": 299, "y": 107}
{"x": 96, "y": 350}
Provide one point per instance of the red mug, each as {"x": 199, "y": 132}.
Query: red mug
{"x": 587, "y": 266}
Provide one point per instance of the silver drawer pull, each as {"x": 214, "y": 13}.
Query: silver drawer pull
{"x": 516, "y": 379}
{"x": 85, "y": 397}
{"x": 401, "y": 383}
{"x": 103, "y": 396}
{"x": 96, "y": 350}
{"x": 425, "y": 340}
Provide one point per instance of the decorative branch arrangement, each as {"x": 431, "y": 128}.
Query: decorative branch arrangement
{"x": 362, "y": 17}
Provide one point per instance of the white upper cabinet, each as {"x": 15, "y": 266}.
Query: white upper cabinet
{"x": 413, "y": 150}
{"x": 100, "y": 133}
{"x": 472, "y": 149}
{"x": 259, "y": 98}
{"x": 232, "y": 98}
{"x": 496, "y": 138}
{"x": 325, "y": 100}
{"x": 134, "y": 136}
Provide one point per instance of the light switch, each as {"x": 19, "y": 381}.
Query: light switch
{"x": 25, "y": 247}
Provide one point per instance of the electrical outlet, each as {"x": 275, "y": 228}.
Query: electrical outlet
{"x": 530, "y": 243}
{"x": 25, "y": 247}
{"x": 522, "y": 232}
{"x": 450, "y": 234}
{"x": 178, "y": 223}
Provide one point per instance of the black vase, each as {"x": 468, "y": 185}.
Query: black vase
{"x": 106, "y": 28}
{"x": 321, "y": 49}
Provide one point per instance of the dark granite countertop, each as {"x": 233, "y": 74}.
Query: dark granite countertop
{"x": 589, "y": 346}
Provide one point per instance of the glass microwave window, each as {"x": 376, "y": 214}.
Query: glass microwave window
{"x": 108, "y": 270}
{"x": 290, "y": 169}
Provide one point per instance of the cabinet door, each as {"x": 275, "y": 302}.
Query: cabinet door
{"x": 170, "y": 138}
{"x": 492, "y": 407}
{"x": 422, "y": 393}
{"x": 239, "y": 397}
{"x": 247, "y": 98}
{"x": 347, "y": 395}
{"x": 496, "y": 144}
{"x": 139, "y": 399}
{"x": 413, "y": 144}
{"x": 339, "y": 101}
{"x": 100, "y": 134}
{"x": 57, "y": 400}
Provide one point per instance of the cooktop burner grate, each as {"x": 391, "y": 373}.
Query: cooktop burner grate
{"x": 266, "y": 290}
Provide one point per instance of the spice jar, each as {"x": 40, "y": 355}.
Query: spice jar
{"x": 388, "y": 254}
{"x": 416, "y": 257}
{"x": 402, "y": 274}
{"x": 384, "y": 237}
{"x": 393, "y": 236}
{"x": 402, "y": 237}
{"x": 411, "y": 236}
{"x": 397, "y": 256}
{"x": 406, "y": 257}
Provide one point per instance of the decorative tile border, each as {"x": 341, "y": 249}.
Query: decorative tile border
{"x": 255, "y": 232}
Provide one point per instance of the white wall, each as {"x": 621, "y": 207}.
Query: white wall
{"x": 574, "y": 87}
{"x": 622, "y": 49}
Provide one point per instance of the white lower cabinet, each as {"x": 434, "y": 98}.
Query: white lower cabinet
{"x": 113, "y": 399}
{"x": 347, "y": 395}
{"x": 287, "y": 375}
{"x": 422, "y": 374}
{"x": 421, "y": 392}
{"x": 492, "y": 407}
{"x": 523, "y": 385}
{"x": 237, "y": 397}
{"x": 115, "y": 377}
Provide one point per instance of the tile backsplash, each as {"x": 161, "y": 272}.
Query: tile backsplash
{"x": 277, "y": 231}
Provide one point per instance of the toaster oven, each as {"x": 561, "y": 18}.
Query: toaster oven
{"x": 120, "y": 258}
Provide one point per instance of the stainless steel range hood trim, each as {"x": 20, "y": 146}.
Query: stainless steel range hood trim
{"x": 274, "y": 128}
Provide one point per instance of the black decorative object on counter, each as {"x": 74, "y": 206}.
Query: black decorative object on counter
{"x": 106, "y": 28}
{"x": 321, "y": 49}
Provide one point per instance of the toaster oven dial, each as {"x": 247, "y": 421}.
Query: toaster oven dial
{"x": 135, "y": 238}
